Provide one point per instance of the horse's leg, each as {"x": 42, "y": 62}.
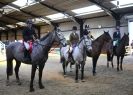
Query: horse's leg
{"x": 112, "y": 60}
{"x": 108, "y": 59}
{"x": 41, "y": 66}
{"x": 32, "y": 77}
{"x": 95, "y": 58}
{"x": 18, "y": 63}
{"x": 118, "y": 63}
{"x": 70, "y": 67}
{"x": 121, "y": 62}
{"x": 82, "y": 71}
{"x": 76, "y": 69}
{"x": 64, "y": 67}
{"x": 9, "y": 70}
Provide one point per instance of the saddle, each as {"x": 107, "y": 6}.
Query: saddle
{"x": 22, "y": 48}
{"x": 31, "y": 46}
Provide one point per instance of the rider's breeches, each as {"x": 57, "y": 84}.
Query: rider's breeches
{"x": 27, "y": 46}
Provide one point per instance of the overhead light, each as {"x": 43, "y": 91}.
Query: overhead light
{"x": 56, "y": 16}
{"x": 87, "y": 10}
{"x": 11, "y": 26}
{"x": 21, "y": 23}
{"x": 2, "y": 28}
{"x": 22, "y": 3}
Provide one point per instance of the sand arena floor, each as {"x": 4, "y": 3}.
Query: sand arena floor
{"x": 107, "y": 81}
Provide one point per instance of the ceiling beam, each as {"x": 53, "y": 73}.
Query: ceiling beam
{"x": 13, "y": 18}
{"x": 31, "y": 14}
{"x": 3, "y": 24}
{"x": 60, "y": 11}
{"x": 106, "y": 9}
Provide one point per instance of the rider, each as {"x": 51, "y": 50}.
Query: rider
{"x": 86, "y": 32}
{"x": 116, "y": 37}
{"x": 74, "y": 38}
{"x": 29, "y": 36}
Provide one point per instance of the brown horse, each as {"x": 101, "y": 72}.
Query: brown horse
{"x": 119, "y": 51}
{"x": 97, "y": 46}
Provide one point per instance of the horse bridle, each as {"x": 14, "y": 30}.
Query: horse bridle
{"x": 84, "y": 41}
{"x": 49, "y": 45}
{"x": 56, "y": 32}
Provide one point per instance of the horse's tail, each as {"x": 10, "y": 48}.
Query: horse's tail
{"x": 9, "y": 69}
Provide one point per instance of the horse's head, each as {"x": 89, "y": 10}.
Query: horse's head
{"x": 126, "y": 39}
{"x": 107, "y": 36}
{"x": 87, "y": 43}
{"x": 59, "y": 37}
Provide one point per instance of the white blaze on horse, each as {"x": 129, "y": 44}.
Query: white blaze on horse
{"x": 78, "y": 55}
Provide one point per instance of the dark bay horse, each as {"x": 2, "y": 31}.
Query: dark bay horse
{"x": 119, "y": 52}
{"x": 39, "y": 56}
{"x": 97, "y": 46}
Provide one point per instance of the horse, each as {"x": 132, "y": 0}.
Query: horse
{"x": 119, "y": 51}
{"x": 39, "y": 56}
{"x": 77, "y": 54}
{"x": 97, "y": 46}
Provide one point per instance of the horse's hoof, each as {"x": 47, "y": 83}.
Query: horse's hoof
{"x": 32, "y": 89}
{"x": 41, "y": 87}
{"x": 65, "y": 76}
{"x": 76, "y": 81}
{"x": 7, "y": 83}
{"x": 19, "y": 83}
{"x": 121, "y": 69}
{"x": 117, "y": 69}
{"x": 82, "y": 80}
{"x": 94, "y": 74}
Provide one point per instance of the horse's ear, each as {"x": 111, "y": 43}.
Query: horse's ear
{"x": 106, "y": 31}
{"x": 126, "y": 33}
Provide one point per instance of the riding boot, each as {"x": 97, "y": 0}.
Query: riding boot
{"x": 27, "y": 55}
{"x": 114, "y": 49}
{"x": 70, "y": 57}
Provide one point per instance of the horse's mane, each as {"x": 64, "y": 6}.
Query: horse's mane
{"x": 44, "y": 37}
{"x": 98, "y": 37}
{"x": 123, "y": 38}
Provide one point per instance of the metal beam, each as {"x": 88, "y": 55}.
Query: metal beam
{"x": 58, "y": 10}
{"x": 15, "y": 33}
{"x": 106, "y": 9}
{"x": 4, "y": 23}
{"x": 75, "y": 19}
{"x": 33, "y": 15}
{"x": 14, "y": 18}
{"x": 6, "y": 35}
